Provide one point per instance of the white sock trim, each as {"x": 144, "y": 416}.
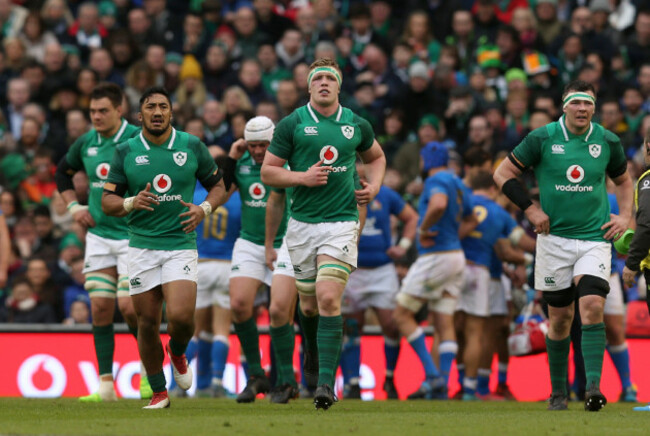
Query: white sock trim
{"x": 416, "y": 334}
{"x": 503, "y": 367}
{"x": 617, "y": 348}
{"x": 391, "y": 342}
{"x": 205, "y": 336}
{"x": 448, "y": 347}
{"x": 485, "y": 372}
{"x": 221, "y": 338}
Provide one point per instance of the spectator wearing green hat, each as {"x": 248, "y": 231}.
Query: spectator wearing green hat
{"x": 407, "y": 159}
{"x": 516, "y": 80}
{"x": 107, "y": 14}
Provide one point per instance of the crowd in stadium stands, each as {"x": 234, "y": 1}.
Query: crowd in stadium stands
{"x": 470, "y": 74}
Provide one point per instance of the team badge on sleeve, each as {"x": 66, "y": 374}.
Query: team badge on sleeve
{"x": 180, "y": 158}
{"x": 348, "y": 131}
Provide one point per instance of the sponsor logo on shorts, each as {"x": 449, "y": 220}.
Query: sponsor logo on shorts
{"x": 234, "y": 268}
{"x": 345, "y": 249}
{"x": 282, "y": 265}
{"x": 102, "y": 171}
{"x": 549, "y": 281}
{"x": 557, "y": 149}
{"x": 297, "y": 269}
{"x": 187, "y": 269}
{"x": 311, "y": 131}
{"x": 135, "y": 282}
{"x": 142, "y": 160}
{"x": 601, "y": 267}
{"x": 162, "y": 183}
{"x": 594, "y": 150}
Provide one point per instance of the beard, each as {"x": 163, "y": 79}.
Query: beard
{"x": 156, "y": 131}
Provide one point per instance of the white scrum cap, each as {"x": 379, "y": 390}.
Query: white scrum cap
{"x": 259, "y": 129}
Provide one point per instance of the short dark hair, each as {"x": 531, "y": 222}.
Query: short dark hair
{"x": 579, "y": 86}
{"x": 476, "y": 156}
{"x": 482, "y": 180}
{"x": 108, "y": 90}
{"x": 155, "y": 90}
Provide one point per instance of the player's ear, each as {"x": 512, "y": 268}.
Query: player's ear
{"x": 140, "y": 117}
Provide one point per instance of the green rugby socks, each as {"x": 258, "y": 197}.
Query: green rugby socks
{"x": 558, "y": 362}
{"x": 283, "y": 346}
{"x": 250, "y": 343}
{"x": 309, "y": 325}
{"x": 104, "y": 348}
{"x": 593, "y": 350}
{"x": 330, "y": 340}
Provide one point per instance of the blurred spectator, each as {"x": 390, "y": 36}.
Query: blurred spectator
{"x": 300, "y": 76}
{"x": 35, "y": 36}
{"x": 268, "y": 21}
{"x": 107, "y": 15}
{"x": 327, "y": 18}
{"x": 217, "y": 129}
{"x": 56, "y": 69}
{"x": 216, "y": 70}
{"x": 71, "y": 249}
{"x": 155, "y": 59}
{"x": 479, "y": 135}
{"x": 288, "y": 97}
{"x": 123, "y": 50}
{"x": 164, "y": 23}
{"x": 393, "y": 134}
{"x": 506, "y": 138}
{"x": 195, "y": 126}
{"x": 191, "y": 89}
{"x": 47, "y": 245}
{"x": 14, "y": 50}
{"x": 311, "y": 31}
{"x": 86, "y": 80}
{"x": 290, "y": 49}
{"x": 462, "y": 37}
{"x": 517, "y": 112}
{"x": 249, "y": 37}
{"x": 418, "y": 99}
{"x": 601, "y": 10}
{"x": 5, "y": 248}
{"x": 139, "y": 26}
{"x": 79, "y": 311}
{"x": 24, "y": 306}
{"x": 12, "y": 17}
{"x": 173, "y": 62}
{"x": 34, "y": 73}
{"x": 57, "y": 17}
{"x": 76, "y": 125}
{"x": 524, "y": 22}
{"x": 11, "y": 208}
{"x": 548, "y": 25}
{"x": 29, "y": 140}
{"x": 269, "y": 109}
{"x": 40, "y": 186}
{"x": 25, "y": 236}
{"x": 459, "y": 111}
{"x": 18, "y": 96}
{"x": 235, "y": 100}
{"x": 633, "y": 107}
{"x": 417, "y": 34}
{"x": 87, "y": 32}
{"x": 139, "y": 77}
{"x": 509, "y": 44}
{"x": 250, "y": 80}
{"x": 382, "y": 20}
{"x": 193, "y": 39}
{"x": 486, "y": 22}
{"x": 361, "y": 31}
{"x": 102, "y": 63}
{"x": 407, "y": 159}
{"x": 39, "y": 277}
{"x": 272, "y": 72}
{"x": 387, "y": 85}
{"x": 238, "y": 122}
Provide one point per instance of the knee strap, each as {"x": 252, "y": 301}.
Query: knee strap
{"x": 409, "y": 302}
{"x": 123, "y": 285}
{"x": 561, "y": 298}
{"x": 333, "y": 271}
{"x": 100, "y": 285}
{"x": 592, "y": 285}
{"x": 306, "y": 286}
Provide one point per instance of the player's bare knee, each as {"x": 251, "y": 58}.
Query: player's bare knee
{"x": 329, "y": 302}
{"x": 279, "y": 313}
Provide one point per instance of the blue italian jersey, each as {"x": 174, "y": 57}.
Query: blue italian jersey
{"x": 478, "y": 246}
{"x": 613, "y": 207}
{"x": 376, "y": 234}
{"x": 459, "y": 205}
{"x": 496, "y": 266}
{"x": 217, "y": 233}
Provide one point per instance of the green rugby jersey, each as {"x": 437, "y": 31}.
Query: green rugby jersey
{"x": 172, "y": 169}
{"x": 254, "y": 195}
{"x": 570, "y": 170}
{"x": 306, "y": 137}
{"x": 93, "y": 153}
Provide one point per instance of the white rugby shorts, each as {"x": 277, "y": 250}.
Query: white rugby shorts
{"x": 306, "y": 241}
{"x": 475, "y": 296}
{"x": 249, "y": 260}
{"x": 558, "y": 260}
{"x": 105, "y": 253}
{"x": 213, "y": 284}
{"x": 151, "y": 268}
{"x": 371, "y": 287}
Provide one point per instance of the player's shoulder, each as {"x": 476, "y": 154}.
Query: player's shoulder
{"x": 291, "y": 120}
{"x": 130, "y": 131}
{"x": 544, "y": 132}
{"x": 610, "y": 137}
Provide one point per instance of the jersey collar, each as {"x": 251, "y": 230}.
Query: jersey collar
{"x": 312, "y": 112}
{"x": 118, "y": 135}
{"x": 169, "y": 145}
{"x": 565, "y": 131}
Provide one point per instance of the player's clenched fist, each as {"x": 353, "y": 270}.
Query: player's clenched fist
{"x": 316, "y": 175}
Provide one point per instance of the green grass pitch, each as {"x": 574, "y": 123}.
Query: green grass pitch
{"x": 220, "y": 417}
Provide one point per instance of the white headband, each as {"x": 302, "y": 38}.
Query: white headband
{"x": 259, "y": 129}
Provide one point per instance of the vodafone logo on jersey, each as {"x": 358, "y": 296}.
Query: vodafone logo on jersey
{"x": 257, "y": 191}
{"x": 575, "y": 174}
{"x": 102, "y": 171}
{"x": 162, "y": 183}
{"x": 329, "y": 154}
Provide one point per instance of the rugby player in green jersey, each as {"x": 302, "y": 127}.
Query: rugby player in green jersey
{"x": 162, "y": 165}
{"x": 107, "y": 239}
{"x": 570, "y": 158}
{"x": 320, "y": 142}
